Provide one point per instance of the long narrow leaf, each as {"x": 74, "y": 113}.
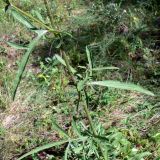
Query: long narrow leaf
{"x": 106, "y": 153}
{"x": 105, "y": 68}
{"x": 47, "y": 146}
{"x": 50, "y": 145}
{"x": 142, "y": 155}
{"x": 59, "y": 129}
{"x": 121, "y": 85}
{"x": 39, "y": 16}
{"x": 66, "y": 152}
{"x": 89, "y": 60}
{"x": 21, "y": 19}
{"x": 16, "y": 46}
{"x": 75, "y": 128}
{"x": 60, "y": 59}
{"x": 25, "y": 60}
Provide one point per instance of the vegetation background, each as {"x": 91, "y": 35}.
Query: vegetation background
{"x": 67, "y": 69}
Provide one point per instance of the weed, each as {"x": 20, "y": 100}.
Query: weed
{"x": 79, "y": 133}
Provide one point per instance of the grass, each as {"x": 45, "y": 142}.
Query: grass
{"x": 36, "y": 114}
{"x": 46, "y": 109}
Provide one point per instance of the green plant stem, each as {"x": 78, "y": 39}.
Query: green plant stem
{"x": 68, "y": 67}
{"x": 88, "y": 114}
{"x": 91, "y": 123}
{"x": 72, "y": 76}
{"x": 86, "y": 104}
{"x": 46, "y": 2}
{"x": 86, "y": 97}
{"x": 35, "y": 20}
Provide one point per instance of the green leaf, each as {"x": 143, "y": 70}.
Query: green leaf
{"x": 103, "y": 148}
{"x": 39, "y": 16}
{"x": 121, "y": 85}
{"x": 142, "y": 155}
{"x": 89, "y": 60}
{"x": 105, "y": 68}
{"x": 81, "y": 84}
{"x": 66, "y": 152}
{"x": 106, "y": 153}
{"x": 16, "y": 46}
{"x": 59, "y": 129}
{"x": 21, "y": 19}
{"x": 50, "y": 145}
{"x": 47, "y": 146}
{"x": 60, "y": 59}
{"x": 78, "y": 149}
{"x": 157, "y": 137}
{"x": 75, "y": 129}
{"x": 24, "y": 61}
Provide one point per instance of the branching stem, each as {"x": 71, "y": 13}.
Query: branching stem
{"x": 86, "y": 104}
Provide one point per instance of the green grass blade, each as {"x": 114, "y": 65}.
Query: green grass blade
{"x": 121, "y": 85}
{"x": 25, "y": 60}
